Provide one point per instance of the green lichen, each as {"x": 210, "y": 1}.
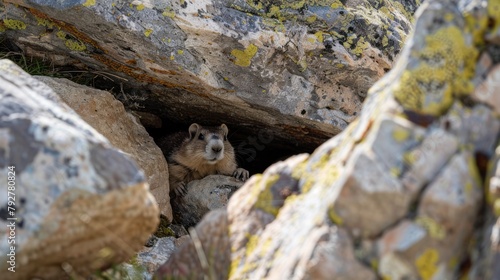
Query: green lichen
{"x": 14, "y": 24}
{"x": 446, "y": 67}
{"x": 244, "y": 57}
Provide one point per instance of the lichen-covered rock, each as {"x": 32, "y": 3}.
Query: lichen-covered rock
{"x": 210, "y": 193}
{"x": 311, "y": 61}
{"x": 415, "y": 162}
{"x": 108, "y": 116}
{"x": 75, "y": 204}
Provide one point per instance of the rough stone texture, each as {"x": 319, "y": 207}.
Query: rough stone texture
{"x": 186, "y": 58}
{"x": 108, "y": 116}
{"x": 210, "y": 193}
{"x": 152, "y": 258}
{"x": 197, "y": 256}
{"x": 420, "y": 148}
{"x": 81, "y": 205}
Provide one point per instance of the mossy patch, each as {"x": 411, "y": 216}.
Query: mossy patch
{"x": 163, "y": 229}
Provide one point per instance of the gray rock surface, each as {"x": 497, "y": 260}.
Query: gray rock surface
{"x": 80, "y": 204}
{"x": 107, "y": 115}
{"x": 210, "y": 193}
{"x": 301, "y": 68}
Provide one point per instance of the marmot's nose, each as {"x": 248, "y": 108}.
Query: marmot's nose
{"x": 216, "y": 149}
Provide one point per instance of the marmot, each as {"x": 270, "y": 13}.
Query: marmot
{"x": 201, "y": 152}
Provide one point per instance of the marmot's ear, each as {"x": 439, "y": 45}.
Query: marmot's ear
{"x": 224, "y": 129}
{"x": 193, "y": 129}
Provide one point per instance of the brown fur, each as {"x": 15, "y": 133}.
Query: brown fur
{"x": 187, "y": 156}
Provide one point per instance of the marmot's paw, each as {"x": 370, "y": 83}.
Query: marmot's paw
{"x": 241, "y": 174}
{"x": 181, "y": 189}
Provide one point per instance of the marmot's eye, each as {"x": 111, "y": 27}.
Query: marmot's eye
{"x": 201, "y": 137}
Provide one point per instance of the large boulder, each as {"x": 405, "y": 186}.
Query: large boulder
{"x": 73, "y": 203}
{"x": 398, "y": 192}
{"x": 107, "y": 115}
{"x": 305, "y": 65}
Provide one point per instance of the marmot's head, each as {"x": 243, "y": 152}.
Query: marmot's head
{"x": 211, "y": 140}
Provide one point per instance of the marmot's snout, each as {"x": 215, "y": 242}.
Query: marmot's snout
{"x": 215, "y": 149}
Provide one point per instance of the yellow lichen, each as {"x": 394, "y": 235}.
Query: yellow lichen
{"x": 395, "y": 171}
{"x": 169, "y": 12}
{"x": 400, "y": 134}
{"x": 474, "y": 171}
{"x": 148, "y": 32}
{"x": 445, "y": 69}
{"x": 180, "y": 52}
{"x": 361, "y": 46}
{"x": 14, "y": 24}
{"x": 61, "y": 35}
{"x": 311, "y": 19}
{"x": 89, "y": 3}
{"x": 319, "y": 36}
{"x": 44, "y": 22}
{"x": 435, "y": 230}
{"x": 494, "y": 13}
{"x": 244, "y": 57}
{"x": 264, "y": 196}
{"x": 75, "y": 45}
{"x": 496, "y": 207}
{"x": 426, "y": 263}
{"x": 334, "y": 217}
{"x": 336, "y": 4}
{"x": 140, "y": 7}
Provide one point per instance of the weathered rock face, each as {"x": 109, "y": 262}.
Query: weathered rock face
{"x": 72, "y": 194}
{"x": 210, "y": 193}
{"x": 108, "y": 116}
{"x": 305, "y": 65}
{"x": 397, "y": 194}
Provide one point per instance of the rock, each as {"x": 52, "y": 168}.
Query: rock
{"x": 73, "y": 194}
{"x": 152, "y": 258}
{"x": 108, "y": 116}
{"x": 485, "y": 92}
{"x": 298, "y": 68}
{"x": 442, "y": 228}
{"x": 415, "y": 162}
{"x": 210, "y": 193}
{"x": 194, "y": 259}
